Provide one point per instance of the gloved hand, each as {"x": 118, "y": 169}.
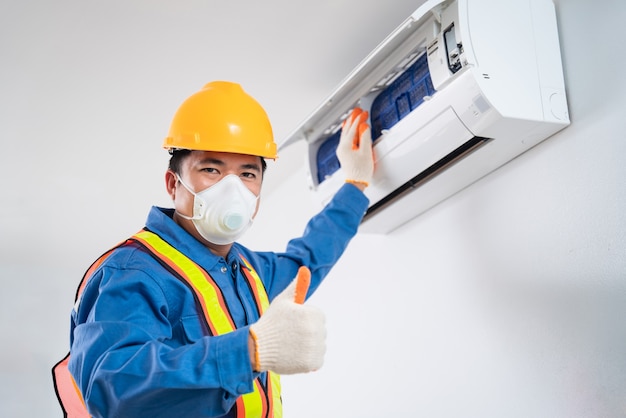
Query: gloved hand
{"x": 354, "y": 151}
{"x": 290, "y": 337}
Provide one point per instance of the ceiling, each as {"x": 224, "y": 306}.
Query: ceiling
{"x": 89, "y": 89}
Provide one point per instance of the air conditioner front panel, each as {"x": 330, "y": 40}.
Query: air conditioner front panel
{"x": 410, "y": 149}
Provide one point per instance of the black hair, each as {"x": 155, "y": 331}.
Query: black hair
{"x": 176, "y": 159}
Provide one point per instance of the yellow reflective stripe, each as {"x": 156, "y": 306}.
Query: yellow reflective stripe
{"x": 253, "y": 402}
{"x": 258, "y": 284}
{"x": 210, "y": 296}
{"x": 277, "y": 402}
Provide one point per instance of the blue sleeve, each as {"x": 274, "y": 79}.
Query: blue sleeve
{"x": 324, "y": 240}
{"x": 128, "y": 359}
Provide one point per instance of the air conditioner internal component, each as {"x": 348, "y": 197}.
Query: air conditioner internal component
{"x": 457, "y": 90}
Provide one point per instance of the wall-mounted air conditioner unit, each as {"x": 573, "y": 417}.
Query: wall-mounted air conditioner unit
{"x": 457, "y": 90}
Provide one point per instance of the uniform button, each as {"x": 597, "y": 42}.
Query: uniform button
{"x": 223, "y": 269}
{"x": 241, "y": 389}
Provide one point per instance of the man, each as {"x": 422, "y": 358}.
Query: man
{"x": 180, "y": 319}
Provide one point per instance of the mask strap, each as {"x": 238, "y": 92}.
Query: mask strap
{"x": 185, "y": 185}
{"x": 190, "y": 218}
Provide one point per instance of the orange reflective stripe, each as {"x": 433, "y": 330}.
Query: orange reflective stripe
{"x": 274, "y": 390}
{"x": 93, "y": 268}
{"x": 253, "y": 404}
{"x": 258, "y": 289}
{"x": 211, "y": 300}
{"x": 67, "y": 392}
{"x": 275, "y": 407}
{"x": 65, "y": 387}
{"x": 261, "y": 402}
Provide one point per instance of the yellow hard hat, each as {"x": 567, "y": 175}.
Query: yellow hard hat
{"x": 222, "y": 117}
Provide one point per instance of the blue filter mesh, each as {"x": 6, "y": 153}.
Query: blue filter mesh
{"x": 327, "y": 162}
{"x": 402, "y": 96}
{"x": 391, "y": 105}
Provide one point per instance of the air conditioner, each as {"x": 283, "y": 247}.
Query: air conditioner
{"x": 458, "y": 89}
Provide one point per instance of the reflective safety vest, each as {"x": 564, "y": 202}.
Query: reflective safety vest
{"x": 263, "y": 402}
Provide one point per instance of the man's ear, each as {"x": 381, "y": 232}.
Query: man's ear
{"x": 171, "y": 181}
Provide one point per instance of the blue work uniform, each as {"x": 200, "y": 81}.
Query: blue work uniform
{"x": 138, "y": 347}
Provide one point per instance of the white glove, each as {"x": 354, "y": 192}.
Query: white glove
{"x": 290, "y": 337}
{"x": 354, "y": 151}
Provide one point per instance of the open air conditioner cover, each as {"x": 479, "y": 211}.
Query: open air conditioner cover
{"x": 458, "y": 89}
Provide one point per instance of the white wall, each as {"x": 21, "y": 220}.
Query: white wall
{"x": 506, "y": 300}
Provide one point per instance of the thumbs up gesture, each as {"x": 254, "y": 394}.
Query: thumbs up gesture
{"x": 290, "y": 337}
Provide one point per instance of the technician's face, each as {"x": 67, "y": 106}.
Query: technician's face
{"x": 202, "y": 169}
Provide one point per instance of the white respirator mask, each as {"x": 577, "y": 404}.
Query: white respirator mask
{"x": 223, "y": 212}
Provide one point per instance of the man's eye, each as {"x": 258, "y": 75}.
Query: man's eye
{"x": 248, "y": 175}
{"x": 210, "y": 170}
